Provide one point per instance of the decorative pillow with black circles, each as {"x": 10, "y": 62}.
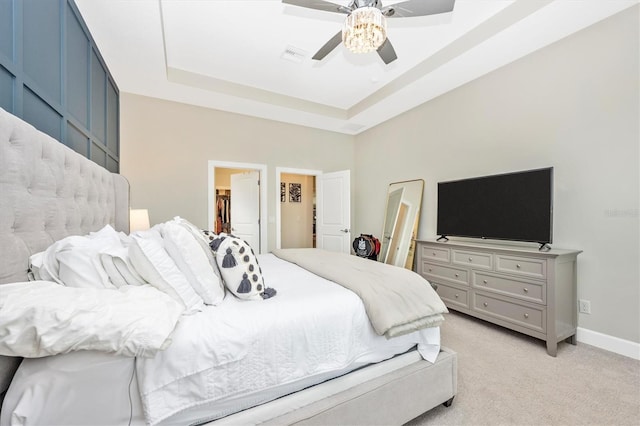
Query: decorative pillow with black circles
{"x": 239, "y": 267}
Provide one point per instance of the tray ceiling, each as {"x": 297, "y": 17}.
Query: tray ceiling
{"x": 254, "y": 57}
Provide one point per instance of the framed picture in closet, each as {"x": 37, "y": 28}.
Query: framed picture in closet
{"x": 283, "y": 192}
{"x": 295, "y": 192}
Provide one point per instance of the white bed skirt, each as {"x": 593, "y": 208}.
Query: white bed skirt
{"x": 62, "y": 390}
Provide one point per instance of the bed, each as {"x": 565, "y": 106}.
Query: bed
{"x": 336, "y": 375}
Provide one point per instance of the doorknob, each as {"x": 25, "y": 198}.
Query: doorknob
{"x": 344, "y": 230}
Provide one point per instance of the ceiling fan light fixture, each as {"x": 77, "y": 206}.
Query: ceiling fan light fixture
{"x": 365, "y": 29}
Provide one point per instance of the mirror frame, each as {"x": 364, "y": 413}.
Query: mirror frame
{"x": 402, "y": 245}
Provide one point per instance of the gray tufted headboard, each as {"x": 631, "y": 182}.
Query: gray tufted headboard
{"x": 47, "y": 192}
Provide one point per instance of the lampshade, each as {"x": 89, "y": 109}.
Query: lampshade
{"x": 365, "y": 29}
{"x": 138, "y": 220}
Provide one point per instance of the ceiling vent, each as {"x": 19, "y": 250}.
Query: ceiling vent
{"x": 294, "y": 54}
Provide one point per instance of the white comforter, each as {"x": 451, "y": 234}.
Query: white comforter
{"x": 312, "y": 328}
{"x": 221, "y": 360}
{"x": 43, "y": 318}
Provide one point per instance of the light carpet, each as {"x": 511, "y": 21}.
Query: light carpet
{"x": 506, "y": 378}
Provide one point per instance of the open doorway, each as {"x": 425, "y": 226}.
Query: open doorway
{"x": 296, "y": 208}
{"x": 222, "y": 205}
{"x": 238, "y": 208}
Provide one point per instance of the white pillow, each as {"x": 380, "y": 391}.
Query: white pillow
{"x": 190, "y": 258}
{"x": 115, "y": 260}
{"x": 240, "y": 270}
{"x": 188, "y": 226}
{"x": 114, "y": 275}
{"x": 79, "y": 262}
{"x": 49, "y": 268}
{"x": 35, "y": 264}
{"x": 74, "y": 261}
{"x": 152, "y": 262}
{"x": 105, "y": 233}
{"x": 203, "y": 241}
{"x": 128, "y": 272}
{"x": 76, "y": 267}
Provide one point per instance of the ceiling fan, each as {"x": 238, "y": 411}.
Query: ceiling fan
{"x": 366, "y": 24}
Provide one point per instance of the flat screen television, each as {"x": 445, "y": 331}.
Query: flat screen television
{"x": 514, "y": 206}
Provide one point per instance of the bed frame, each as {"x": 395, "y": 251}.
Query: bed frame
{"x": 48, "y": 192}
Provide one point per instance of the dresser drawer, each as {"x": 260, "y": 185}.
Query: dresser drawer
{"x": 472, "y": 258}
{"x": 525, "y": 266}
{"x": 526, "y": 290}
{"x": 435, "y": 253}
{"x": 515, "y": 313}
{"x": 438, "y": 272}
{"x": 452, "y": 296}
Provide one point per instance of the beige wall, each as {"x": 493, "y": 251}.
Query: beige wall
{"x": 574, "y": 106}
{"x": 166, "y": 146}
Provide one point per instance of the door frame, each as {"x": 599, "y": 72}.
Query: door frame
{"x": 279, "y": 171}
{"x": 262, "y": 169}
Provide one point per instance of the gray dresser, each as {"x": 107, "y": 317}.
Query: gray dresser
{"x": 521, "y": 288}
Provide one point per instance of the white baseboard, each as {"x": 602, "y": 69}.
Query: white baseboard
{"x": 609, "y": 343}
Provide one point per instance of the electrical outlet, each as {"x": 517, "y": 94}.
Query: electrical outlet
{"x": 584, "y": 306}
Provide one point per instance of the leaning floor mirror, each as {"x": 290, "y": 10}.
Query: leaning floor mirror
{"x": 401, "y": 218}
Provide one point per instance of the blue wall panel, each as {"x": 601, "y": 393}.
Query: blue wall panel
{"x": 98, "y": 99}
{"x": 98, "y": 155}
{"x": 40, "y": 114}
{"x": 112, "y": 165}
{"x": 77, "y": 70}
{"x": 6, "y": 89}
{"x": 6, "y": 28}
{"x": 53, "y": 76}
{"x": 112, "y": 119}
{"x": 42, "y": 47}
{"x": 77, "y": 140}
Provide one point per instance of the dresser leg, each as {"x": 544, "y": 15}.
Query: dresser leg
{"x": 571, "y": 339}
{"x": 552, "y": 347}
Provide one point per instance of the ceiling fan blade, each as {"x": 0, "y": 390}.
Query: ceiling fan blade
{"x": 319, "y": 5}
{"x": 387, "y": 52}
{"x": 410, "y": 8}
{"x": 328, "y": 47}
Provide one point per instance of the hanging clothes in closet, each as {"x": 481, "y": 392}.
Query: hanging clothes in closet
{"x": 223, "y": 211}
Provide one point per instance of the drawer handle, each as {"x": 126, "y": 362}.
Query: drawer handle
{"x": 457, "y": 295}
{"x": 485, "y": 304}
{"x": 518, "y": 265}
{"x": 526, "y": 315}
{"x": 430, "y": 269}
{"x": 485, "y": 281}
{"x": 526, "y": 290}
{"x": 457, "y": 275}
{"x": 434, "y": 253}
{"x": 470, "y": 259}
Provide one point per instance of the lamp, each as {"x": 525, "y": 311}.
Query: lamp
{"x": 365, "y": 29}
{"x": 138, "y": 220}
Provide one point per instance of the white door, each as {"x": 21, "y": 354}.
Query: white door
{"x": 333, "y": 211}
{"x": 245, "y": 208}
